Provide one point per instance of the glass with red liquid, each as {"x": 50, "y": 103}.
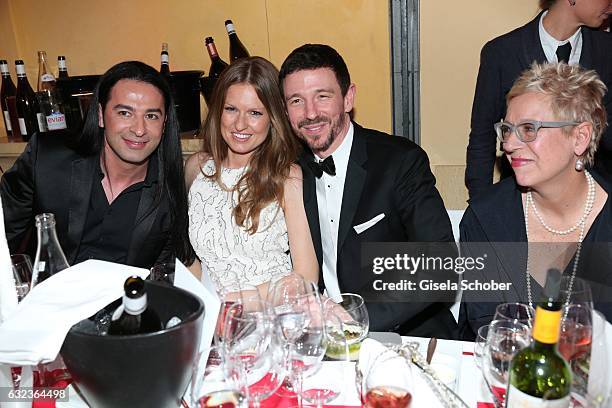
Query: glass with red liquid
{"x": 387, "y": 382}
{"x": 575, "y": 344}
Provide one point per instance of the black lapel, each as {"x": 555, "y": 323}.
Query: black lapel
{"x": 532, "y": 46}
{"x": 353, "y": 184}
{"x": 143, "y": 225}
{"x": 81, "y": 180}
{"x": 586, "y": 53}
{"x": 310, "y": 203}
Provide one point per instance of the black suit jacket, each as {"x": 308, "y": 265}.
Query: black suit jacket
{"x": 51, "y": 177}
{"x": 501, "y": 62}
{"x": 494, "y": 224}
{"x": 390, "y": 175}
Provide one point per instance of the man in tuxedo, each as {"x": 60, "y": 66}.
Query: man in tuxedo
{"x": 361, "y": 186}
{"x": 116, "y": 188}
{"x": 565, "y": 31}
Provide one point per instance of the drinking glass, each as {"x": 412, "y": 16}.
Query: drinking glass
{"x": 245, "y": 297}
{"x": 481, "y": 340}
{"x": 580, "y": 292}
{"x": 216, "y": 382}
{"x": 519, "y": 312}
{"x": 22, "y": 273}
{"x": 355, "y": 321}
{"x": 387, "y": 382}
{"x": 505, "y": 338}
{"x": 163, "y": 272}
{"x": 575, "y": 343}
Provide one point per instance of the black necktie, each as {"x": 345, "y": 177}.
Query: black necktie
{"x": 563, "y": 52}
{"x": 326, "y": 165}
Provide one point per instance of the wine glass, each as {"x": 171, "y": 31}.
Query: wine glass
{"x": 217, "y": 382}
{"x": 318, "y": 389}
{"x": 22, "y": 273}
{"x": 505, "y": 338}
{"x": 481, "y": 340}
{"x": 354, "y": 316}
{"x": 580, "y": 292}
{"x": 247, "y": 297}
{"x": 575, "y": 343}
{"x": 519, "y": 312}
{"x": 387, "y": 382}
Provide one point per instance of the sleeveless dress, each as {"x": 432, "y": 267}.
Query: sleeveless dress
{"x": 223, "y": 246}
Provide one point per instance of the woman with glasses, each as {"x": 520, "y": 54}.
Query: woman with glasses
{"x": 555, "y": 206}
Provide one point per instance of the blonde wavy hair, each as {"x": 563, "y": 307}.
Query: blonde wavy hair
{"x": 263, "y": 181}
{"x": 575, "y": 94}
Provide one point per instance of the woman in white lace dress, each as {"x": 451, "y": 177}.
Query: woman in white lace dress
{"x": 246, "y": 211}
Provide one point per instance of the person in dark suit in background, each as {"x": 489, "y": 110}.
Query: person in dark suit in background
{"x": 564, "y": 30}
{"x": 375, "y": 188}
{"x": 117, "y": 188}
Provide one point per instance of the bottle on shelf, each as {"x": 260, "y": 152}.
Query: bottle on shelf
{"x": 62, "y": 70}
{"x": 539, "y": 375}
{"x": 165, "y": 60}
{"x": 237, "y": 49}
{"x": 49, "y": 97}
{"x": 50, "y": 258}
{"x": 7, "y": 90}
{"x": 133, "y": 316}
{"x": 30, "y": 118}
{"x": 217, "y": 66}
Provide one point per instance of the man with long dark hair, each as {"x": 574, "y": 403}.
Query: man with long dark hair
{"x": 117, "y": 188}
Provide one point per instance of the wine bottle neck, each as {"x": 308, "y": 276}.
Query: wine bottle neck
{"x": 20, "y": 69}
{"x": 212, "y": 50}
{"x": 546, "y": 326}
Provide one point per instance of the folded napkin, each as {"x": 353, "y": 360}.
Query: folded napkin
{"x": 34, "y": 333}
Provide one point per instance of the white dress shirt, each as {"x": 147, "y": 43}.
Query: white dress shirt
{"x": 329, "y": 200}
{"x": 550, "y": 44}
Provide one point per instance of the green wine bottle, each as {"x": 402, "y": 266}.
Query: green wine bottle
{"x": 539, "y": 376}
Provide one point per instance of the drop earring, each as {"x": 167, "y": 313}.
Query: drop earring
{"x": 579, "y": 166}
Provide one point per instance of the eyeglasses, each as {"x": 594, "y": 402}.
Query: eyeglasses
{"x": 526, "y": 131}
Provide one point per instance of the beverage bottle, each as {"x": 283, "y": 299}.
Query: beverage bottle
{"x": 49, "y": 97}
{"x": 165, "y": 60}
{"x": 62, "y": 70}
{"x": 133, "y": 316}
{"x": 30, "y": 118}
{"x": 50, "y": 258}
{"x": 237, "y": 49}
{"x": 7, "y": 89}
{"x": 539, "y": 376}
{"x": 217, "y": 66}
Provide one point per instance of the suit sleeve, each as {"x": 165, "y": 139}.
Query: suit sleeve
{"x": 18, "y": 195}
{"x": 486, "y": 110}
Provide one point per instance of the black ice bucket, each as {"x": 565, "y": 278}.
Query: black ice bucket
{"x": 146, "y": 370}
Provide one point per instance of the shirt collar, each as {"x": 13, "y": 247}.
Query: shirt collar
{"x": 550, "y": 41}
{"x": 342, "y": 153}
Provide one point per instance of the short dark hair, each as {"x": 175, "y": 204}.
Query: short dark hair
{"x": 313, "y": 56}
{"x": 169, "y": 154}
{"x": 546, "y": 4}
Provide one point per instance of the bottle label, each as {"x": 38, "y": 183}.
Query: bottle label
{"x": 212, "y": 50}
{"x": 230, "y": 28}
{"x": 7, "y": 121}
{"x": 61, "y": 64}
{"x": 164, "y": 58}
{"x": 135, "y": 306}
{"x": 518, "y": 399}
{"x": 22, "y": 127}
{"x": 56, "y": 121}
{"x": 546, "y": 326}
{"x": 42, "y": 122}
{"x": 4, "y": 68}
{"x": 20, "y": 70}
{"x": 47, "y": 78}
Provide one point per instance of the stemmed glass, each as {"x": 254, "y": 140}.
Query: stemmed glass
{"x": 217, "y": 382}
{"x": 387, "y": 382}
{"x": 580, "y": 292}
{"x": 518, "y": 312}
{"x": 505, "y": 338}
{"x": 355, "y": 321}
{"x": 479, "y": 345}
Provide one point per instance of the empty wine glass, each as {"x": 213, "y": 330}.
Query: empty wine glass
{"x": 481, "y": 340}
{"x": 576, "y": 292}
{"x": 505, "y": 338}
{"x": 22, "y": 273}
{"x": 354, "y": 316}
{"x": 519, "y": 312}
{"x": 217, "y": 382}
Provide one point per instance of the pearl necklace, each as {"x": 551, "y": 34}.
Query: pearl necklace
{"x": 588, "y": 206}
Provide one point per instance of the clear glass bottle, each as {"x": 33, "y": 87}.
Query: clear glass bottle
{"x": 46, "y": 80}
{"x": 50, "y": 258}
{"x": 49, "y": 97}
{"x": 30, "y": 118}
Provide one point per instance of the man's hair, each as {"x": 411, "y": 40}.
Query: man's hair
{"x": 169, "y": 154}
{"x": 268, "y": 169}
{"x": 575, "y": 95}
{"x": 546, "y": 4}
{"x": 313, "y": 56}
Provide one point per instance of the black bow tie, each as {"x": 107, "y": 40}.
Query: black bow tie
{"x": 326, "y": 165}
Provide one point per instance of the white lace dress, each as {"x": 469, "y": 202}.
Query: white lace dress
{"x": 223, "y": 246}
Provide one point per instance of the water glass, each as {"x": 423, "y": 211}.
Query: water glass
{"x": 481, "y": 340}
{"x": 355, "y": 320}
{"x": 22, "y": 274}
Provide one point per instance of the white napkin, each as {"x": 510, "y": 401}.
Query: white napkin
{"x": 8, "y": 295}
{"x": 205, "y": 290}
{"x": 35, "y": 332}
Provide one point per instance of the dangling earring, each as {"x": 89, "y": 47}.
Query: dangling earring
{"x": 579, "y": 166}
